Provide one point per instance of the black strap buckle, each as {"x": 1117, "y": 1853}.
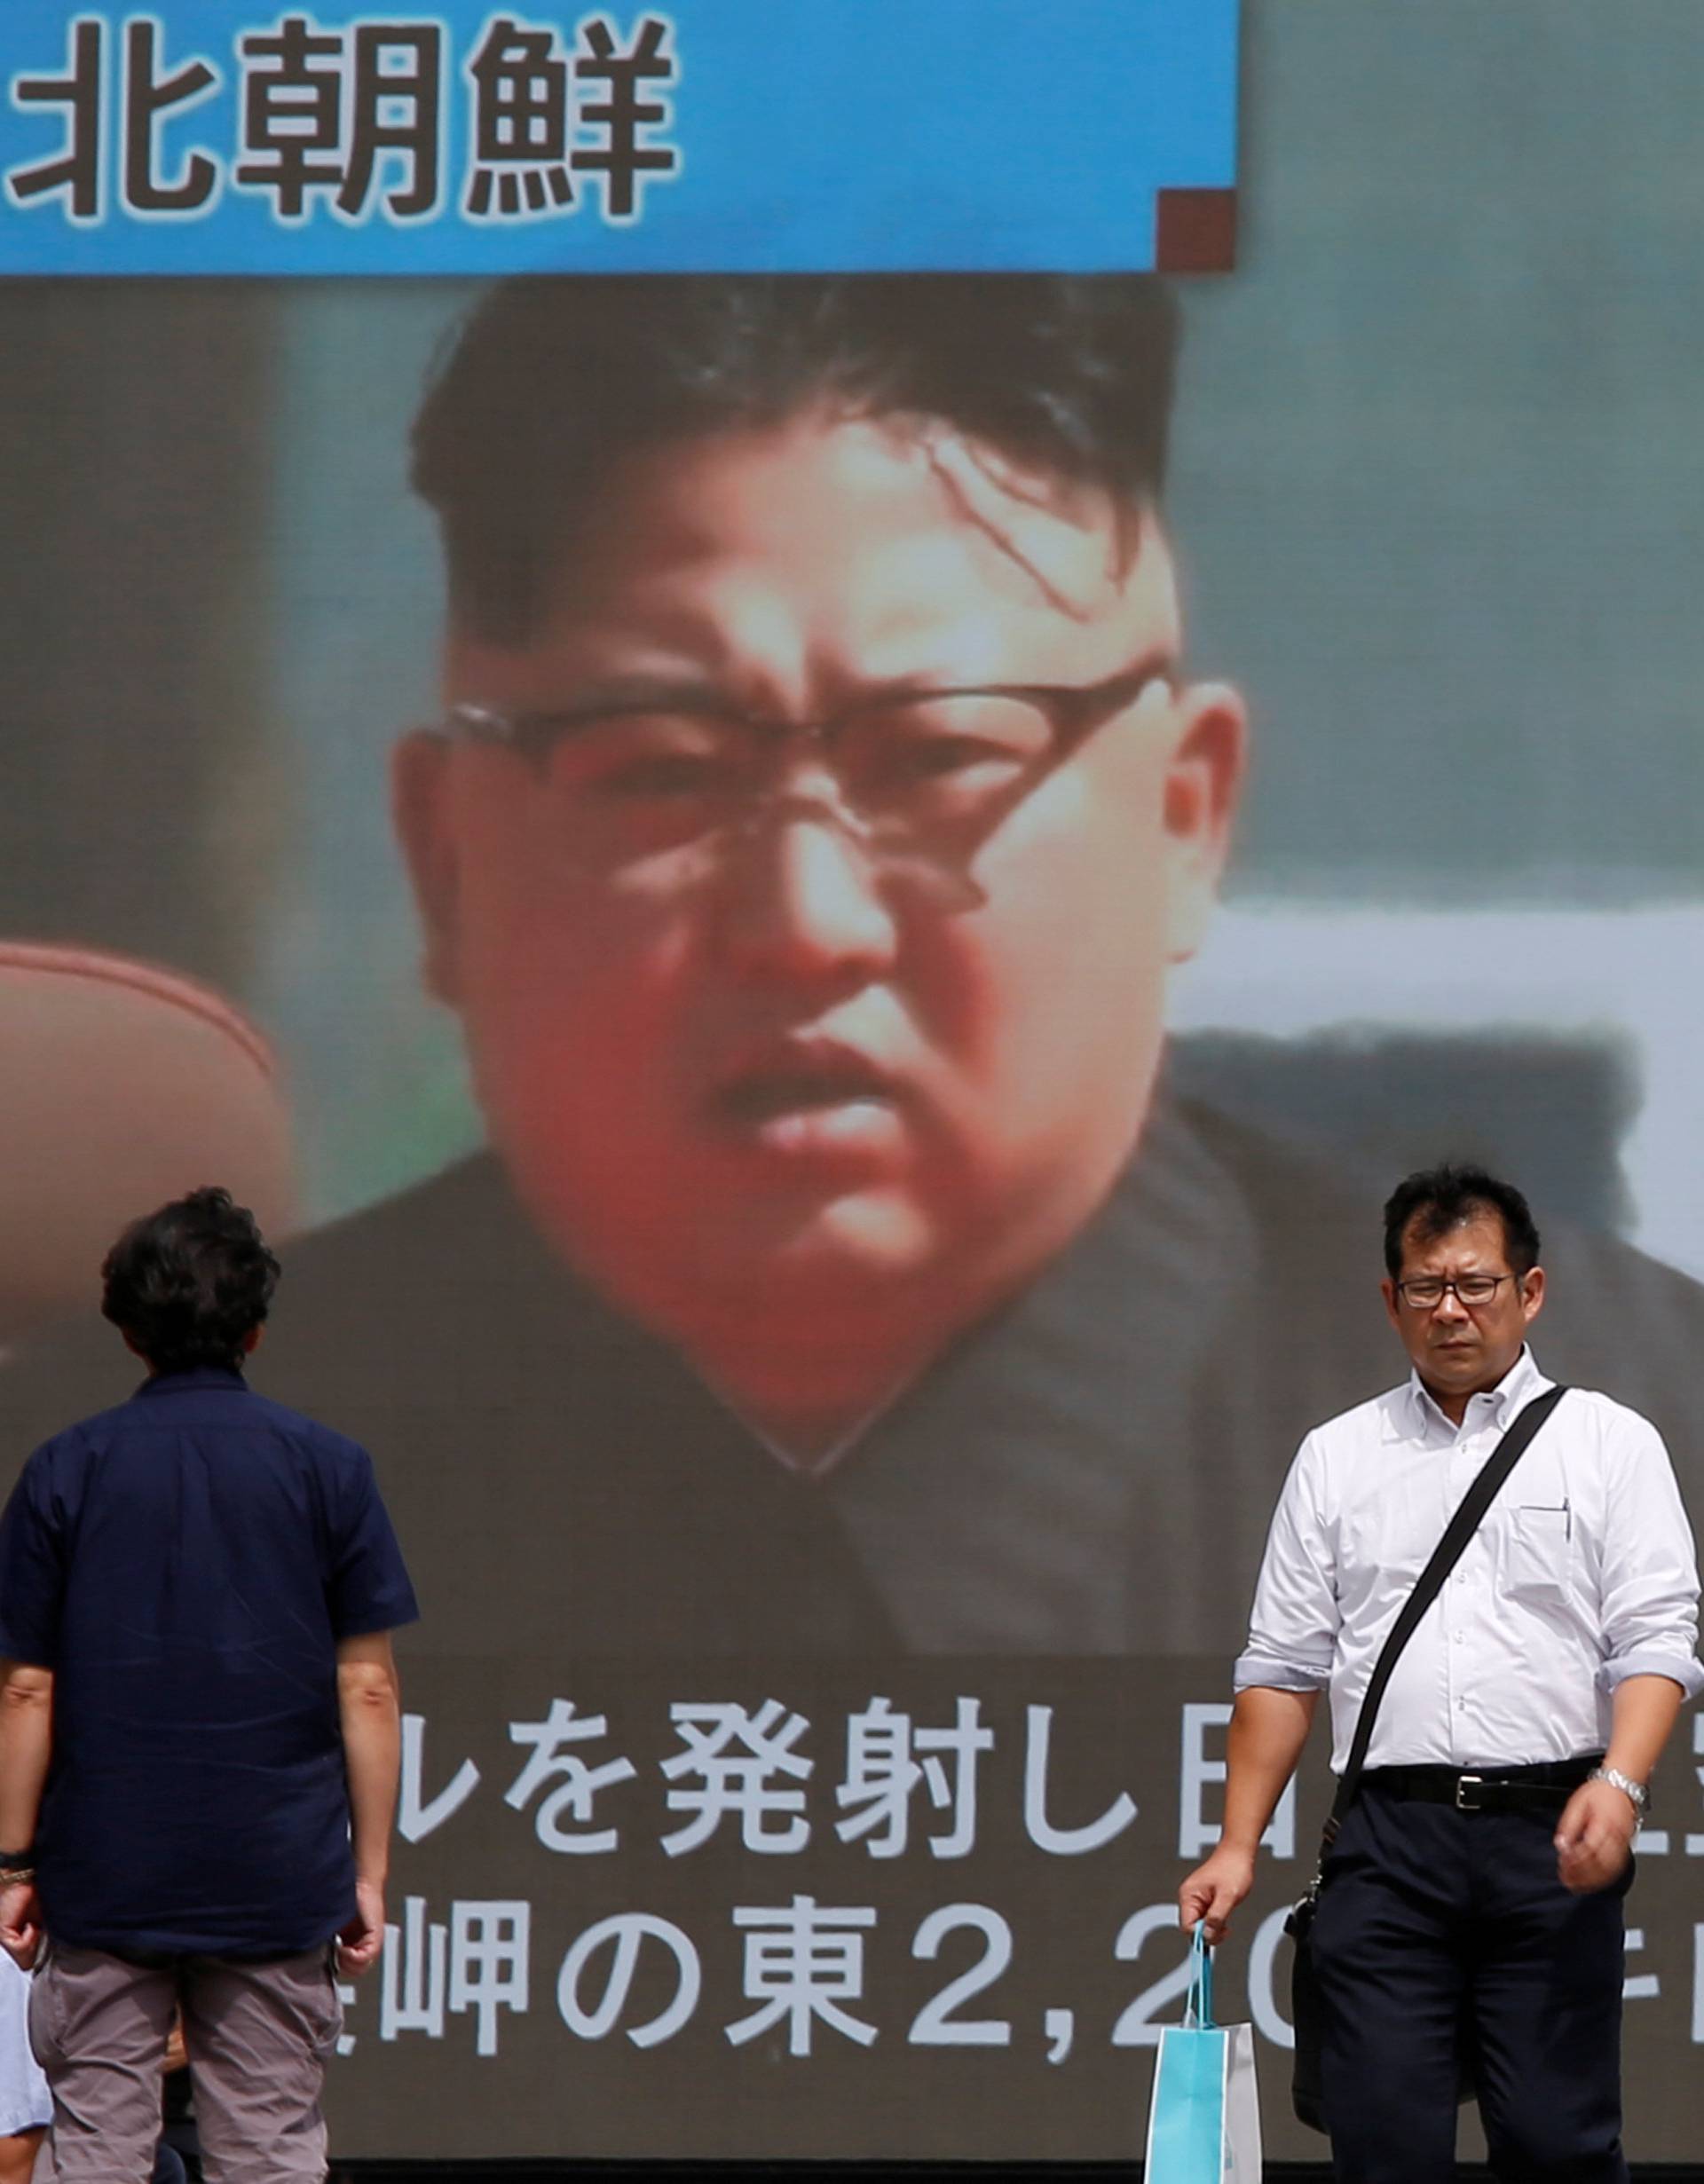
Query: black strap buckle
{"x": 1464, "y": 1784}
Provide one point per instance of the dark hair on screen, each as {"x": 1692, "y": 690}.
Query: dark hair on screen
{"x": 550, "y": 382}
{"x": 190, "y": 1283}
{"x": 1437, "y": 1200}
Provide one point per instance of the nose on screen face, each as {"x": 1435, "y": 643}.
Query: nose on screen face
{"x": 810, "y": 893}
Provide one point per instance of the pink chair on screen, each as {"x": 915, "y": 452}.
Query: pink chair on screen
{"x": 120, "y": 1086}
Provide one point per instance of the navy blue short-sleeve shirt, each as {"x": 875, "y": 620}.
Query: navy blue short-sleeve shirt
{"x": 186, "y": 1564}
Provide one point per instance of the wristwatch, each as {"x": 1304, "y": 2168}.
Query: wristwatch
{"x": 1639, "y": 1793}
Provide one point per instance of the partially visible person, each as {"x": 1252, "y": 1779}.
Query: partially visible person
{"x": 1469, "y": 1913}
{"x": 177, "y": 2157}
{"x": 199, "y": 1726}
{"x": 25, "y": 2106}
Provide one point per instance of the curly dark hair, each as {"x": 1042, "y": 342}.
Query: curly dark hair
{"x": 1436, "y": 1200}
{"x": 550, "y": 382}
{"x": 190, "y": 1283}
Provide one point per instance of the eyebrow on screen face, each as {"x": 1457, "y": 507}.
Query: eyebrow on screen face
{"x": 612, "y": 698}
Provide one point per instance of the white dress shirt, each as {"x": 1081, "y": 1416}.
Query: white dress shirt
{"x": 1582, "y": 1573}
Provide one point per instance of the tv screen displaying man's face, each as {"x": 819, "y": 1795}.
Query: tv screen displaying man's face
{"x": 805, "y": 881}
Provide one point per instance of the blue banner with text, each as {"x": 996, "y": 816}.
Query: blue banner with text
{"x": 717, "y": 136}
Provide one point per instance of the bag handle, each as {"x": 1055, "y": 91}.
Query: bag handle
{"x": 1198, "y": 2005}
{"x": 1469, "y": 1516}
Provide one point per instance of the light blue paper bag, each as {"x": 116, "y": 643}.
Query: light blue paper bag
{"x": 1204, "y": 2124}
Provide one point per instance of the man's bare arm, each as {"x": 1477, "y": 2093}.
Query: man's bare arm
{"x": 26, "y": 1747}
{"x": 1596, "y": 1831}
{"x": 1646, "y": 1710}
{"x": 1268, "y": 1729}
{"x": 369, "y": 1704}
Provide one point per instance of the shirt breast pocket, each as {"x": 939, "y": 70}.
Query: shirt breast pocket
{"x": 1538, "y": 1539}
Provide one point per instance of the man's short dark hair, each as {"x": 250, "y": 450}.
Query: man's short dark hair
{"x": 1435, "y": 1200}
{"x": 190, "y": 1283}
{"x": 552, "y": 381}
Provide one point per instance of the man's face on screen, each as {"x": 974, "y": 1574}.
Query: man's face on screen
{"x": 791, "y": 986}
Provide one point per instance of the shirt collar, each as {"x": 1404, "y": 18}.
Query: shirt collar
{"x": 192, "y": 1377}
{"x": 1517, "y": 1386}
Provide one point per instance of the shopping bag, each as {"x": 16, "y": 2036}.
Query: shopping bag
{"x": 1204, "y": 2126}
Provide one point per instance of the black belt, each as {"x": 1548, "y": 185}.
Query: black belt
{"x": 1545, "y": 1787}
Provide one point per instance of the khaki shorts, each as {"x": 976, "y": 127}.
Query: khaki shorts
{"x": 259, "y": 2036}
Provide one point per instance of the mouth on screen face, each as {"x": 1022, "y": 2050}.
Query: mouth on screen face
{"x": 807, "y": 1097}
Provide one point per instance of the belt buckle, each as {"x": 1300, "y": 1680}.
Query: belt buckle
{"x": 1461, "y": 1785}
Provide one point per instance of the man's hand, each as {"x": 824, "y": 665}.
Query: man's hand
{"x": 360, "y": 1942}
{"x": 1213, "y": 1891}
{"x": 1594, "y": 1837}
{"x": 20, "y": 1924}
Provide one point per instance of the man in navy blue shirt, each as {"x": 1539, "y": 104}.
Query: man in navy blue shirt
{"x": 199, "y": 1725}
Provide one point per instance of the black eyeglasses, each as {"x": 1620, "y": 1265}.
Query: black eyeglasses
{"x": 914, "y": 775}
{"x": 1426, "y": 1292}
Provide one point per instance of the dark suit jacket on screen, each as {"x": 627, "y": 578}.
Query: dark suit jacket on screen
{"x": 1089, "y": 1471}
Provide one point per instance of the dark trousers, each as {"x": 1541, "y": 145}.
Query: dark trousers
{"x": 1442, "y": 1934}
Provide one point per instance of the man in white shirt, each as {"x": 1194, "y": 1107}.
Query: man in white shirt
{"x": 1474, "y": 1892}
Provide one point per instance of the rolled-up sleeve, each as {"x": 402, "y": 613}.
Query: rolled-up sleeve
{"x": 1650, "y": 1568}
{"x": 1293, "y": 1630}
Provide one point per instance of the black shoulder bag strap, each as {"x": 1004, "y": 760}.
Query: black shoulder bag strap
{"x": 1305, "y": 2005}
